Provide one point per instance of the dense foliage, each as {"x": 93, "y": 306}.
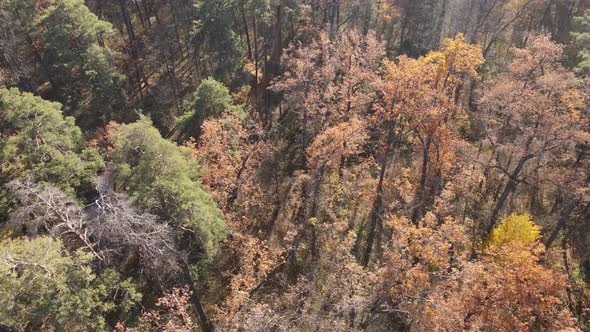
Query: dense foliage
{"x": 294, "y": 165}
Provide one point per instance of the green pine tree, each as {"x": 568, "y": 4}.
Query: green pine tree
{"x": 581, "y": 36}
{"x": 43, "y": 287}
{"x": 211, "y": 99}
{"x": 214, "y": 41}
{"x": 39, "y": 142}
{"x": 162, "y": 177}
{"x": 81, "y": 66}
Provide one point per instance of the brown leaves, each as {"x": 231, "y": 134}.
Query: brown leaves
{"x": 340, "y": 141}
{"x": 514, "y": 293}
{"x": 541, "y": 52}
{"x": 174, "y": 314}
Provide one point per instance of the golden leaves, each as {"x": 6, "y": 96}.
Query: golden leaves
{"x": 516, "y": 229}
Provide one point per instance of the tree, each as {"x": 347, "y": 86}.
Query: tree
{"x": 326, "y": 85}
{"x": 162, "y": 178}
{"x": 420, "y": 98}
{"x": 215, "y": 44}
{"x": 43, "y": 209}
{"x": 581, "y": 36}
{"x": 419, "y": 259}
{"x": 508, "y": 290}
{"x": 46, "y": 287}
{"x": 327, "y": 82}
{"x": 173, "y": 314}
{"x": 421, "y": 26}
{"x": 533, "y": 119}
{"x": 82, "y": 68}
{"x": 19, "y": 46}
{"x": 38, "y": 141}
{"x": 210, "y": 100}
{"x": 515, "y": 229}
{"x": 111, "y": 230}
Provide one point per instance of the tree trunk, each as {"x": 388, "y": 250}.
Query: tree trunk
{"x": 375, "y": 214}
{"x": 256, "y": 58}
{"x": 140, "y": 14}
{"x": 127, "y": 20}
{"x": 510, "y": 186}
{"x": 314, "y": 207}
{"x": 566, "y": 266}
{"x": 246, "y": 30}
{"x": 204, "y": 322}
{"x": 565, "y": 214}
{"x": 420, "y": 198}
{"x": 272, "y": 67}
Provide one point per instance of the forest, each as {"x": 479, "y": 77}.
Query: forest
{"x": 294, "y": 165}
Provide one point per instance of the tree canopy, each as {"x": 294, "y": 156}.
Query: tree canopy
{"x": 297, "y": 165}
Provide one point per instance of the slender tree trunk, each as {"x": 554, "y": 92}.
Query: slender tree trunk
{"x": 256, "y": 58}
{"x": 566, "y": 212}
{"x": 334, "y": 4}
{"x": 246, "y": 30}
{"x": 558, "y": 227}
{"x": 375, "y": 215}
{"x": 314, "y": 207}
{"x": 176, "y": 30}
{"x": 148, "y": 13}
{"x": 566, "y": 266}
{"x": 172, "y": 77}
{"x": 140, "y": 14}
{"x": 127, "y": 20}
{"x": 420, "y": 198}
{"x": 132, "y": 45}
{"x": 510, "y": 186}
{"x": 204, "y": 322}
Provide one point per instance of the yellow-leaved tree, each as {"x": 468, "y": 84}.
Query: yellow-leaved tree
{"x": 508, "y": 289}
{"x": 515, "y": 230}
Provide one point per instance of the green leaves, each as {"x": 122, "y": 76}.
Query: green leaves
{"x": 40, "y": 142}
{"x": 581, "y": 37}
{"x": 82, "y": 71}
{"x": 214, "y": 40}
{"x": 162, "y": 178}
{"x": 42, "y": 286}
{"x": 211, "y": 99}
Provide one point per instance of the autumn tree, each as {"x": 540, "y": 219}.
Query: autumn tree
{"x": 173, "y": 314}
{"x": 508, "y": 289}
{"x": 533, "y": 120}
{"x": 326, "y": 85}
{"x": 420, "y": 100}
{"x": 314, "y": 165}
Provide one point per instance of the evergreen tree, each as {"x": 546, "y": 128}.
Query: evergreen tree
{"x": 581, "y": 37}
{"x": 162, "y": 177}
{"x": 82, "y": 69}
{"x": 38, "y": 141}
{"x": 214, "y": 41}
{"x": 45, "y": 288}
{"x": 211, "y": 99}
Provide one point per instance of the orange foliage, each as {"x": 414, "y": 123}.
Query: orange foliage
{"x": 508, "y": 290}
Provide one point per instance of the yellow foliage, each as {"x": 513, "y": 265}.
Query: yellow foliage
{"x": 573, "y": 99}
{"x": 456, "y": 57}
{"x": 516, "y": 229}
